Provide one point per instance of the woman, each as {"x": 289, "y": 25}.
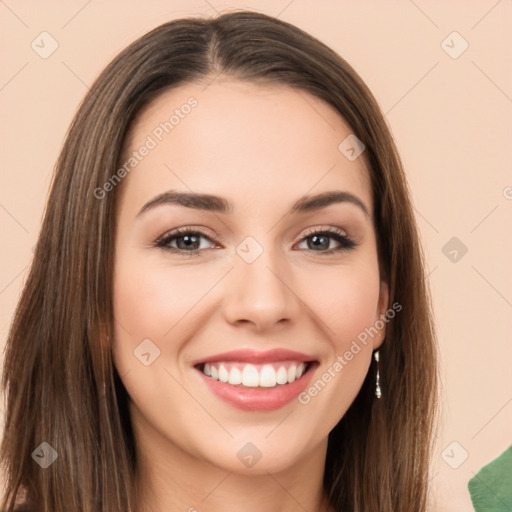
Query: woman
{"x": 289, "y": 360}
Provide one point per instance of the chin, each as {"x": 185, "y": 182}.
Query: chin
{"x": 258, "y": 454}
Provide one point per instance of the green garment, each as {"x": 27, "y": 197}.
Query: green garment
{"x": 491, "y": 487}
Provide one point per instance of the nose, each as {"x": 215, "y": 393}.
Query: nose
{"x": 261, "y": 293}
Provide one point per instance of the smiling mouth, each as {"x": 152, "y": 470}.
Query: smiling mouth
{"x": 262, "y": 376}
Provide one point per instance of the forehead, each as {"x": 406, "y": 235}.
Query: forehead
{"x": 259, "y": 141}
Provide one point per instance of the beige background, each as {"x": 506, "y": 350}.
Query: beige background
{"x": 451, "y": 118}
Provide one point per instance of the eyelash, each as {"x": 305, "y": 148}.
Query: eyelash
{"x": 346, "y": 243}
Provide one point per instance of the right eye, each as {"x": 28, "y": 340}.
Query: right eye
{"x": 187, "y": 241}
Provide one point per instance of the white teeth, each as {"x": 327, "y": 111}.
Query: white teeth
{"x": 267, "y": 377}
{"x": 292, "y": 373}
{"x": 223, "y": 373}
{"x": 235, "y": 376}
{"x": 252, "y": 376}
{"x": 282, "y": 375}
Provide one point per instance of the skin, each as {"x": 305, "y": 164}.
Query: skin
{"x": 261, "y": 147}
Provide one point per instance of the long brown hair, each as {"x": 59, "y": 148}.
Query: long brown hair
{"x": 59, "y": 379}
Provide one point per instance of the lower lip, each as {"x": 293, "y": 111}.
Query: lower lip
{"x": 259, "y": 399}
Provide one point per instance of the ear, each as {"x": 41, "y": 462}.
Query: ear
{"x": 382, "y": 307}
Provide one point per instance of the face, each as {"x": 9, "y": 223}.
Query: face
{"x": 240, "y": 313}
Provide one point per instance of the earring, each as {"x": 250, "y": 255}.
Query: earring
{"x": 378, "y": 392}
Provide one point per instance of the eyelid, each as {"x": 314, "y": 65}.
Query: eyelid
{"x": 322, "y": 229}
{"x": 201, "y": 230}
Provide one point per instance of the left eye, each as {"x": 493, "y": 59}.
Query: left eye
{"x": 321, "y": 239}
{"x": 189, "y": 241}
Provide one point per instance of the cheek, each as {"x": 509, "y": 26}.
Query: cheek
{"x": 153, "y": 303}
{"x": 347, "y": 309}
{"x": 156, "y": 301}
{"x": 138, "y": 299}
{"x": 345, "y": 301}
{"x": 150, "y": 299}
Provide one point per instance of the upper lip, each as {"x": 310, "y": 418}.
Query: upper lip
{"x": 256, "y": 356}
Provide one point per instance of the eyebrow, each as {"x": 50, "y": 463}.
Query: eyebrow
{"x": 222, "y": 205}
